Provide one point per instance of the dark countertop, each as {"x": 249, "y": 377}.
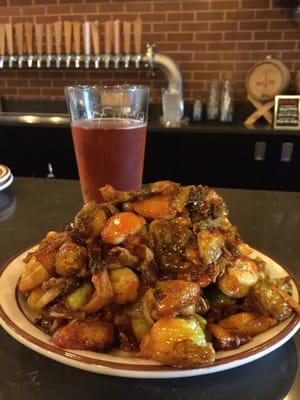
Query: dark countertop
{"x": 269, "y": 221}
{"x": 20, "y": 113}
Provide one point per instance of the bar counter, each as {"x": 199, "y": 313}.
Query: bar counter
{"x": 268, "y": 221}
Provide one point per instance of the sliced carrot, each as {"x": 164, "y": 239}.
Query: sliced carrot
{"x": 158, "y": 206}
{"x": 120, "y": 225}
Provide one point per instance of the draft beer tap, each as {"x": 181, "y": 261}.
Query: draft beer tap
{"x": 117, "y": 43}
{"x": 127, "y": 42}
{"x": 68, "y": 42}
{"x": 49, "y": 44}
{"x": 29, "y": 43}
{"x": 108, "y": 42}
{"x": 39, "y": 28}
{"x": 10, "y": 46}
{"x": 76, "y": 41}
{"x": 96, "y": 43}
{"x": 20, "y": 44}
{"x": 137, "y": 30}
{"x": 2, "y": 45}
{"x": 58, "y": 39}
{"x": 87, "y": 43}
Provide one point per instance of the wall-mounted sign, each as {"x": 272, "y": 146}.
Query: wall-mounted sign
{"x": 287, "y": 112}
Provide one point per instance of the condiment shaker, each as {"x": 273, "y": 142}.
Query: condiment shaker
{"x": 226, "y": 106}
{"x": 213, "y": 104}
{"x": 197, "y": 110}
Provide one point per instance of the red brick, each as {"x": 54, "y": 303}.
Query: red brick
{"x": 283, "y": 25}
{"x": 181, "y": 16}
{"x": 239, "y": 15}
{"x": 210, "y": 16}
{"x": 253, "y": 25}
{"x": 180, "y": 37}
{"x": 20, "y": 2}
{"x": 195, "y": 5}
{"x": 195, "y": 26}
{"x": 238, "y": 36}
{"x": 166, "y": 6}
{"x": 223, "y": 26}
{"x": 33, "y": 11}
{"x": 84, "y": 8}
{"x": 251, "y": 45}
{"x": 61, "y": 9}
{"x": 166, "y": 27}
{"x": 224, "y": 4}
{"x": 267, "y": 35}
{"x": 138, "y": 7}
{"x": 207, "y": 36}
{"x": 219, "y": 46}
{"x": 253, "y": 4}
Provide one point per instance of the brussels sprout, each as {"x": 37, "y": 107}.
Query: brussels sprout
{"x": 79, "y": 298}
{"x": 140, "y": 327}
{"x": 125, "y": 285}
{"x": 216, "y": 297}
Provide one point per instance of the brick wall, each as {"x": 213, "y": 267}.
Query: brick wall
{"x": 209, "y": 39}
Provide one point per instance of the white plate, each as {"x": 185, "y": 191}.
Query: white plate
{"x": 4, "y": 173}
{"x": 7, "y": 183}
{"x": 16, "y": 318}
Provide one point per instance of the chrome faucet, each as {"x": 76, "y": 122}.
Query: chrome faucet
{"x": 58, "y": 59}
{"x": 126, "y": 59}
{"x": 107, "y": 59}
{"x": 49, "y": 60}
{"x": 117, "y": 59}
{"x": 2, "y": 60}
{"x": 87, "y": 61}
{"x": 97, "y": 59}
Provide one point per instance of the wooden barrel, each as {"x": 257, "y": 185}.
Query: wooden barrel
{"x": 266, "y": 79}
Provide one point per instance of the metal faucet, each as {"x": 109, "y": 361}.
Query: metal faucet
{"x": 20, "y": 61}
{"x": 2, "y": 60}
{"x": 137, "y": 60}
{"x": 126, "y": 60}
{"x": 87, "y": 61}
{"x": 107, "y": 58}
{"x": 117, "y": 60}
{"x": 77, "y": 60}
{"x": 97, "y": 59}
{"x": 11, "y": 60}
{"x": 49, "y": 60}
{"x": 58, "y": 59}
{"x": 39, "y": 60}
{"x": 68, "y": 59}
{"x": 30, "y": 61}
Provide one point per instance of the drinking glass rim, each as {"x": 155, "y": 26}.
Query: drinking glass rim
{"x": 127, "y": 87}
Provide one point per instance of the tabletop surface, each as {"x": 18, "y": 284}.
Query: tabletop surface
{"x": 268, "y": 221}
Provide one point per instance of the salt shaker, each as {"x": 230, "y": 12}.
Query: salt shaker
{"x": 213, "y": 103}
{"x": 226, "y": 106}
{"x": 197, "y": 110}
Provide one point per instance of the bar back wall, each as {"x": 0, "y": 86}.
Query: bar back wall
{"x": 208, "y": 38}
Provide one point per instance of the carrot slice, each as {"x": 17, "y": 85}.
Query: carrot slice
{"x": 120, "y": 225}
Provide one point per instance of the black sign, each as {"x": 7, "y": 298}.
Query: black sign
{"x": 287, "y": 112}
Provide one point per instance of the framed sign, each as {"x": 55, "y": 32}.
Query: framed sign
{"x": 287, "y": 112}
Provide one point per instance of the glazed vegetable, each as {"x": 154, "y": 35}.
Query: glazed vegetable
{"x": 160, "y": 273}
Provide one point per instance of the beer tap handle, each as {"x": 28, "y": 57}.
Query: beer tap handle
{"x": 20, "y": 43}
{"x": 117, "y": 26}
{"x": 28, "y": 37}
{"x": 108, "y": 37}
{"x": 19, "y": 39}
{"x": 9, "y": 42}
{"x": 137, "y": 35}
{"x": 117, "y": 37}
{"x": 2, "y": 40}
{"x": 58, "y": 39}
{"x": 76, "y": 37}
{"x": 95, "y": 37}
{"x": 87, "y": 43}
{"x": 127, "y": 42}
{"x": 2, "y": 45}
{"x": 39, "y": 28}
{"x": 87, "y": 38}
{"x": 108, "y": 34}
{"x": 127, "y": 36}
{"x": 9, "y": 38}
{"x": 68, "y": 36}
{"x": 58, "y": 36}
{"x": 49, "y": 38}
{"x": 49, "y": 44}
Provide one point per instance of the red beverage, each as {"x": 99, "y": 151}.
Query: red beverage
{"x": 109, "y": 151}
